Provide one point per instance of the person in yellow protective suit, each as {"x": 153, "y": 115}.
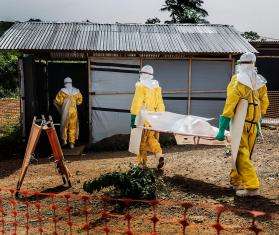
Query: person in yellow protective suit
{"x": 245, "y": 84}
{"x": 66, "y": 102}
{"x": 148, "y": 96}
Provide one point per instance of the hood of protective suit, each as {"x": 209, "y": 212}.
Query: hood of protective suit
{"x": 68, "y": 87}
{"x": 146, "y": 77}
{"x": 247, "y": 72}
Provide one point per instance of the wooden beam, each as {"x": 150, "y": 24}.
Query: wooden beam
{"x": 141, "y": 62}
{"x": 89, "y": 99}
{"x": 233, "y": 67}
{"x": 268, "y": 56}
{"x": 22, "y": 98}
{"x": 189, "y": 86}
{"x": 182, "y": 91}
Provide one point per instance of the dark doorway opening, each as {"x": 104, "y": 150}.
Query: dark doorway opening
{"x": 269, "y": 68}
{"x": 57, "y": 71}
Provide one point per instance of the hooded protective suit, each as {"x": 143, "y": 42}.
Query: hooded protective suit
{"x": 148, "y": 96}
{"x": 246, "y": 84}
{"x": 66, "y": 102}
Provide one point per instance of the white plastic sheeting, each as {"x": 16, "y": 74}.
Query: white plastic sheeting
{"x": 179, "y": 124}
{"x": 172, "y": 76}
{"x": 112, "y": 81}
{"x": 105, "y": 121}
{"x": 209, "y": 77}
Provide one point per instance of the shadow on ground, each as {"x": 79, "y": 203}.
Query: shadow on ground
{"x": 9, "y": 167}
{"x": 208, "y": 190}
{"x": 43, "y": 194}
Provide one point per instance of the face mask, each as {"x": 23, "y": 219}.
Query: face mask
{"x": 144, "y": 76}
{"x": 247, "y": 75}
{"x": 68, "y": 85}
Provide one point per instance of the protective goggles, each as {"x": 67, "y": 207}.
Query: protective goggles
{"x": 145, "y": 73}
{"x": 245, "y": 62}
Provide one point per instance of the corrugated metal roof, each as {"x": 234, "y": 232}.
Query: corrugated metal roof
{"x": 168, "y": 38}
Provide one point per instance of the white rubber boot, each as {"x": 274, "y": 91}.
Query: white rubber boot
{"x": 237, "y": 188}
{"x": 72, "y": 145}
{"x": 247, "y": 193}
{"x": 64, "y": 143}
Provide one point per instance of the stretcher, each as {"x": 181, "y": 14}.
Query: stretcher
{"x": 39, "y": 125}
{"x": 187, "y": 129}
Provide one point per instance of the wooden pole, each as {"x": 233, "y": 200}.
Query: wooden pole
{"x": 22, "y": 98}
{"x": 189, "y": 86}
{"x": 89, "y": 99}
{"x": 233, "y": 67}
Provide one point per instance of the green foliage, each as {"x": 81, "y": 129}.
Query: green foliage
{"x": 8, "y": 62}
{"x": 185, "y": 11}
{"x": 34, "y": 20}
{"x": 9, "y": 82}
{"x": 251, "y": 35}
{"x": 137, "y": 183}
{"x": 9, "y": 133}
{"x": 4, "y": 25}
{"x": 153, "y": 21}
{"x": 9, "y": 93}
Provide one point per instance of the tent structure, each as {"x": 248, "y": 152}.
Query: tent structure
{"x": 192, "y": 62}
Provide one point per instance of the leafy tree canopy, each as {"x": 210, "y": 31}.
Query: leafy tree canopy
{"x": 9, "y": 84}
{"x": 34, "y": 20}
{"x": 251, "y": 35}
{"x": 5, "y": 25}
{"x": 185, "y": 11}
{"x": 153, "y": 21}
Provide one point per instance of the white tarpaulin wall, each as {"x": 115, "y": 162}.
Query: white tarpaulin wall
{"x": 112, "y": 82}
{"x": 208, "y": 85}
{"x": 173, "y": 78}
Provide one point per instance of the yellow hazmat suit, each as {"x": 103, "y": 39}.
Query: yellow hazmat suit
{"x": 67, "y": 103}
{"x": 150, "y": 99}
{"x": 245, "y": 176}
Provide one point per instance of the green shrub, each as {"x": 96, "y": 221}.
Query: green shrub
{"x": 137, "y": 183}
{"x": 9, "y": 81}
{"x": 10, "y": 133}
{"x": 5, "y": 25}
{"x": 8, "y": 93}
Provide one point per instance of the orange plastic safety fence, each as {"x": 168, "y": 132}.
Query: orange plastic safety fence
{"x": 68, "y": 213}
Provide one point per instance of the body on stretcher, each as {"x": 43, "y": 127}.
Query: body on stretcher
{"x": 187, "y": 129}
{"x": 184, "y": 138}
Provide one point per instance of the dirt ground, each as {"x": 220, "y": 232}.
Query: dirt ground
{"x": 9, "y": 111}
{"x": 197, "y": 174}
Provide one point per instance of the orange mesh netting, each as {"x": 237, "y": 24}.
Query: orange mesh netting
{"x": 45, "y": 213}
